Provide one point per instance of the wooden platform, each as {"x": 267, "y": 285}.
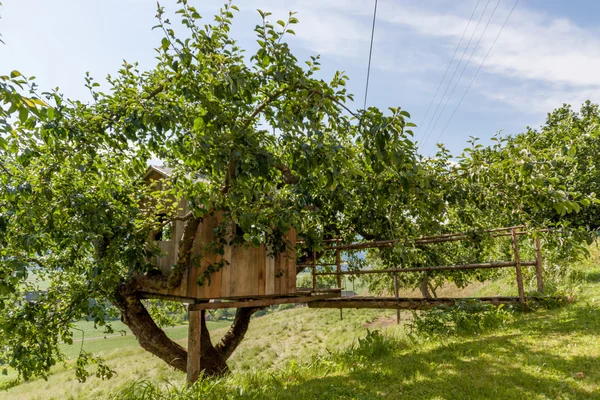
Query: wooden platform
{"x": 404, "y": 303}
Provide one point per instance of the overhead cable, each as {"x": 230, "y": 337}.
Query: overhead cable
{"x": 448, "y": 67}
{"x": 370, "y": 54}
{"x": 435, "y": 113}
{"x": 478, "y": 69}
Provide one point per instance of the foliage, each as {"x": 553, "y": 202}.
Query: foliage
{"x": 275, "y": 144}
{"x": 263, "y": 139}
{"x": 466, "y": 317}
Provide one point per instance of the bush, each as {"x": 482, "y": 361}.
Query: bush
{"x": 468, "y": 316}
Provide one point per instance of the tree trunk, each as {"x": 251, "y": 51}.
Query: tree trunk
{"x": 425, "y": 287}
{"x": 153, "y": 339}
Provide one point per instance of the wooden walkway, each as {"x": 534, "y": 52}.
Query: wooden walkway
{"x": 405, "y": 303}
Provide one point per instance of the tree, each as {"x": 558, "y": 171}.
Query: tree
{"x": 277, "y": 147}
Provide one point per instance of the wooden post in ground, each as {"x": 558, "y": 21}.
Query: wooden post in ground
{"x": 194, "y": 340}
{"x": 515, "y": 240}
{"x": 314, "y": 268}
{"x": 396, "y": 294}
{"x": 538, "y": 265}
{"x": 338, "y": 261}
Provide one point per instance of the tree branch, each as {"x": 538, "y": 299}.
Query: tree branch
{"x": 185, "y": 246}
{"x": 6, "y": 170}
{"x": 179, "y": 218}
{"x": 288, "y": 177}
{"x": 233, "y": 337}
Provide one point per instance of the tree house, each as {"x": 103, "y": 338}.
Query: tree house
{"x": 245, "y": 272}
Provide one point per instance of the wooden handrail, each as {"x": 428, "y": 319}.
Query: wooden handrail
{"x": 503, "y": 264}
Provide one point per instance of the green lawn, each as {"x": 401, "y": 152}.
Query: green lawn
{"x": 311, "y": 354}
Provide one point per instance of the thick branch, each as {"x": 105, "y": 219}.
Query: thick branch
{"x": 288, "y": 177}
{"x": 148, "y": 334}
{"x": 184, "y": 257}
{"x": 234, "y": 336}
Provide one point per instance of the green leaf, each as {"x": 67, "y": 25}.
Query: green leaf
{"x": 23, "y": 114}
{"x": 15, "y": 74}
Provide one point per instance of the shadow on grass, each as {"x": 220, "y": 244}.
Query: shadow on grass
{"x": 459, "y": 371}
{"x": 592, "y": 276}
{"x": 515, "y": 366}
{"x": 581, "y": 318}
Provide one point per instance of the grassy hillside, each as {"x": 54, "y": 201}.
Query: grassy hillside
{"x": 304, "y": 353}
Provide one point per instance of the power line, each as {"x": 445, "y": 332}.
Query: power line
{"x": 478, "y": 69}
{"x": 427, "y": 130}
{"x": 449, "y": 64}
{"x": 462, "y": 72}
{"x": 370, "y": 54}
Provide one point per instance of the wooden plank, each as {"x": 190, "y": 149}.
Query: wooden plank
{"x": 214, "y": 288}
{"x": 276, "y": 269}
{"x": 189, "y": 300}
{"x": 192, "y": 289}
{"x": 291, "y": 261}
{"x": 262, "y": 302}
{"x": 538, "y": 265}
{"x": 269, "y": 273}
{"x": 226, "y": 271}
{"x": 262, "y": 264}
{"x": 194, "y": 341}
{"x": 515, "y": 241}
{"x": 242, "y": 270}
{"x": 235, "y": 266}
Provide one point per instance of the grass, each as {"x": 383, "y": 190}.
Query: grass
{"x": 306, "y": 353}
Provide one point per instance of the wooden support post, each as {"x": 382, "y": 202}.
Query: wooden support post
{"x": 396, "y": 295}
{"x": 194, "y": 340}
{"x": 338, "y": 261}
{"x": 314, "y": 268}
{"x": 538, "y": 265}
{"x": 515, "y": 240}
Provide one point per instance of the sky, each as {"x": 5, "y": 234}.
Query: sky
{"x": 547, "y": 54}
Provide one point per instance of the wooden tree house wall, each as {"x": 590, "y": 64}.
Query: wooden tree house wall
{"x": 248, "y": 272}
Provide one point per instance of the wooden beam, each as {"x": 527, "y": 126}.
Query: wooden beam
{"x": 321, "y": 290}
{"x": 396, "y": 296}
{"x": 194, "y": 340}
{"x": 503, "y": 264}
{"x": 449, "y": 237}
{"x": 314, "y": 270}
{"x": 338, "y": 262}
{"x": 262, "y": 302}
{"x": 413, "y": 303}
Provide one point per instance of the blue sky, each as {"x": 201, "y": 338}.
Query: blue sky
{"x": 547, "y": 54}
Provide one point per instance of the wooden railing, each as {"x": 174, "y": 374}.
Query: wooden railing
{"x": 514, "y": 232}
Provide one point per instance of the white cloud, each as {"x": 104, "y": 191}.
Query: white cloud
{"x": 554, "y": 56}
